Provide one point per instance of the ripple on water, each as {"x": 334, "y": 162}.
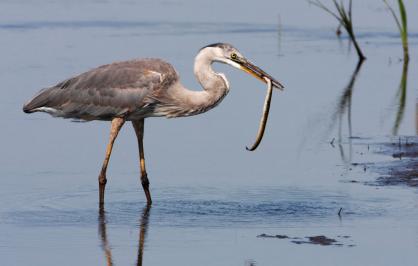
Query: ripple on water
{"x": 263, "y": 207}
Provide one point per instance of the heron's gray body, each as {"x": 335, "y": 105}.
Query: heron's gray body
{"x": 133, "y": 90}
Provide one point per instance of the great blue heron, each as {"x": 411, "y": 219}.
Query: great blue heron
{"x": 136, "y": 89}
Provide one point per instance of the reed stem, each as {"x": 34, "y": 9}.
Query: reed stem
{"x": 345, "y": 18}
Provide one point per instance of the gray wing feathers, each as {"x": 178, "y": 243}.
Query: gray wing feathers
{"x": 107, "y": 91}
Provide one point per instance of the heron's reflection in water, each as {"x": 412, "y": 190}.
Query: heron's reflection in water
{"x": 103, "y": 236}
{"x": 416, "y": 116}
{"x": 143, "y": 227}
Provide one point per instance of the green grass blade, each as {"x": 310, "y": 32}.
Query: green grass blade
{"x": 403, "y": 16}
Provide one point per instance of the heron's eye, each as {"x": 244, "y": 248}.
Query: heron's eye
{"x": 234, "y": 56}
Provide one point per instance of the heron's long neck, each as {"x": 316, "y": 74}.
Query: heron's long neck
{"x": 215, "y": 87}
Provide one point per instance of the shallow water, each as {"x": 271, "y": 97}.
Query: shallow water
{"x": 212, "y": 197}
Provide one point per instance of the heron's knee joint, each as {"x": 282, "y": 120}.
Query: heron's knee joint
{"x": 144, "y": 180}
{"x": 102, "y": 180}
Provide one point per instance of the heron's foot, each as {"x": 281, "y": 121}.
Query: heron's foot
{"x": 145, "y": 186}
{"x": 102, "y": 186}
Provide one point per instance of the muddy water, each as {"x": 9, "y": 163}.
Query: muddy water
{"x": 212, "y": 197}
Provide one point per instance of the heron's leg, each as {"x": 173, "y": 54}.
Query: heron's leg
{"x": 139, "y": 130}
{"x": 117, "y": 124}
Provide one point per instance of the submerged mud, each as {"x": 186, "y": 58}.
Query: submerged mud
{"x": 399, "y": 165}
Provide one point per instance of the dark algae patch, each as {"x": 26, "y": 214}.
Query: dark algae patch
{"x": 315, "y": 240}
{"x": 318, "y": 240}
{"x": 273, "y": 236}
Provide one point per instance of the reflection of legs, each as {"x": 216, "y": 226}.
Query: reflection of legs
{"x": 117, "y": 124}
{"x": 139, "y": 130}
{"x": 143, "y": 233}
{"x": 103, "y": 236}
{"x": 143, "y": 227}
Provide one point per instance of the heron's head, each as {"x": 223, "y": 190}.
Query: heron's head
{"x": 226, "y": 53}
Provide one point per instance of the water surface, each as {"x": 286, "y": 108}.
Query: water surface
{"x": 212, "y": 198}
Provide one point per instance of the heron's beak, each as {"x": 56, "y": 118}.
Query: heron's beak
{"x": 260, "y": 74}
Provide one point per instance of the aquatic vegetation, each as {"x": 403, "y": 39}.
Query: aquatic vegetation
{"x": 345, "y": 18}
{"x": 401, "y": 95}
{"x": 344, "y": 106}
{"x": 402, "y": 25}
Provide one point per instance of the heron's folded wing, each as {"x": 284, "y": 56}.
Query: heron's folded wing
{"x": 107, "y": 91}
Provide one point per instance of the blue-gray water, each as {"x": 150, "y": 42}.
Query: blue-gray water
{"x": 212, "y": 197}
